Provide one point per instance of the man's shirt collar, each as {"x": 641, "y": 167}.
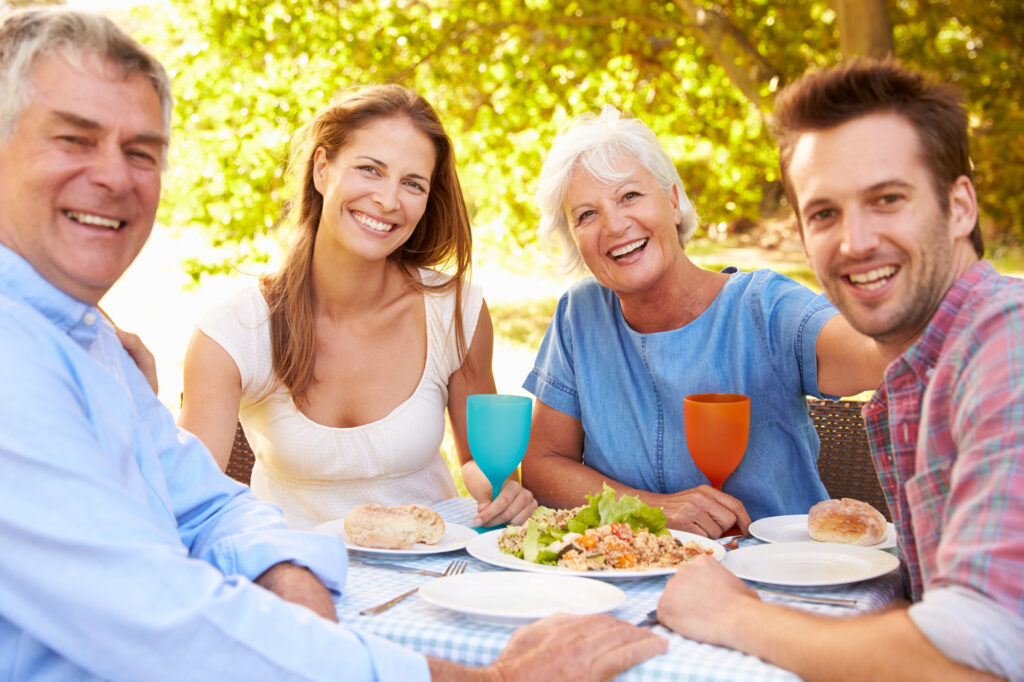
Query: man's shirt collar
{"x": 19, "y": 281}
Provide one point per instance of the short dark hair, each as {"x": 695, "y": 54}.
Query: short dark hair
{"x": 825, "y": 99}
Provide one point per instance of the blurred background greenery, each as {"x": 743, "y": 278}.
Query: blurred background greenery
{"x": 505, "y": 75}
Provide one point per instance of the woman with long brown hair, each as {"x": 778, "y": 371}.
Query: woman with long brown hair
{"x": 341, "y": 364}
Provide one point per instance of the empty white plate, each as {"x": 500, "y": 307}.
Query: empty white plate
{"x": 809, "y": 564}
{"x": 513, "y": 597}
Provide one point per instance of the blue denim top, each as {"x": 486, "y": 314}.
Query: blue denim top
{"x": 758, "y": 337}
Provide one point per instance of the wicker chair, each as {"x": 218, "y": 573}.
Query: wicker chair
{"x": 241, "y": 460}
{"x": 844, "y": 461}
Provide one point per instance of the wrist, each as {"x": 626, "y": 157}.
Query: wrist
{"x": 277, "y": 573}
{"x": 445, "y": 671}
{"x": 728, "y": 627}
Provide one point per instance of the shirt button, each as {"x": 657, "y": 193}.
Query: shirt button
{"x": 89, "y": 319}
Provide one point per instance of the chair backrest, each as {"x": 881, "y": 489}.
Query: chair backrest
{"x": 241, "y": 460}
{"x": 844, "y": 461}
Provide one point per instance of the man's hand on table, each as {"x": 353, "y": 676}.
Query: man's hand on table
{"x": 564, "y": 647}
{"x": 706, "y": 603}
{"x": 701, "y": 598}
{"x": 704, "y": 510}
{"x": 298, "y": 584}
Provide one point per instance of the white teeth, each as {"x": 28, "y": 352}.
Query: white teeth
{"x": 372, "y": 223}
{"x": 88, "y": 219}
{"x": 632, "y": 246}
{"x": 873, "y": 279}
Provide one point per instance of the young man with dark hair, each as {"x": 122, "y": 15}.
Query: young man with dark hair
{"x": 875, "y": 162}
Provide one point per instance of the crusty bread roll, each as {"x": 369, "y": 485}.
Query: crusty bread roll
{"x": 401, "y": 527}
{"x": 846, "y": 520}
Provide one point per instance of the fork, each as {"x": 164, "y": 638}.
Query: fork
{"x": 392, "y": 567}
{"x": 454, "y": 568}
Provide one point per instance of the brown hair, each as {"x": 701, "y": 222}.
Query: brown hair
{"x": 826, "y": 99}
{"x": 442, "y": 238}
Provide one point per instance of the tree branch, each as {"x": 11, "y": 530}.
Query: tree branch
{"x": 743, "y": 64}
{"x": 457, "y": 36}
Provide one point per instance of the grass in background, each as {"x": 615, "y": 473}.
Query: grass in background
{"x": 523, "y": 323}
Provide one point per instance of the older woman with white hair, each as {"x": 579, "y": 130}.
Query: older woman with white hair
{"x": 650, "y": 327}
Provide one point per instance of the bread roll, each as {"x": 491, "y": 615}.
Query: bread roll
{"x": 401, "y": 527}
{"x": 849, "y": 521}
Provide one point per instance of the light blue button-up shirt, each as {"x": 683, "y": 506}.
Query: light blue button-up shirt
{"x": 124, "y": 552}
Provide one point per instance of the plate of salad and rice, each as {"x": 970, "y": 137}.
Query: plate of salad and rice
{"x": 608, "y": 538}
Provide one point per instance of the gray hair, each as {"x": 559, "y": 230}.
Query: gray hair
{"x": 593, "y": 143}
{"x": 28, "y": 34}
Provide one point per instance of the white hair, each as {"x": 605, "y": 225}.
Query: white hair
{"x": 594, "y": 143}
{"x": 77, "y": 36}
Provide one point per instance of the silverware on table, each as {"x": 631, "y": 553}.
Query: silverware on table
{"x": 454, "y": 568}
{"x": 649, "y": 620}
{"x": 734, "y": 541}
{"x": 831, "y": 601}
{"x": 393, "y": 567}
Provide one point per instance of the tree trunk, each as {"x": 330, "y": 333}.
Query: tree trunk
{"x": 864, "y": 28}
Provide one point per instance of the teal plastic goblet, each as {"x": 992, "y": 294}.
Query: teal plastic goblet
{"x": 498, "y": 429}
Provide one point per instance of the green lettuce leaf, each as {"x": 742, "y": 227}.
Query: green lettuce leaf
{"x": 531, "y": 543}
{"x": 538, "y": 536}
{"x": 604, "y": 509}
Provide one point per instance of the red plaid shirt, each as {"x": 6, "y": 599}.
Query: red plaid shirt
{"x": 947, "y": 436}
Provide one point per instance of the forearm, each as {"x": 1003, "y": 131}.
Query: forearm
{"x": 885, "y": 646}
{"x": 446, "y": 671}
{"x": 848, "y": 361}
{"x": 561, "y": 483}
{"x": 298, "y": 585}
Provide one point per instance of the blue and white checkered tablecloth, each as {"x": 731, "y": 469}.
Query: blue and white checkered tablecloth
{"x": 441, "y": 633}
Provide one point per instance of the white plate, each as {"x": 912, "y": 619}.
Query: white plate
{"x": 510, "y": 597}
{"x": 455, "y": 538}
{"x": 485, "y": 548}
{"x": 793, "y": 528}
{"x": 809, "y": 564}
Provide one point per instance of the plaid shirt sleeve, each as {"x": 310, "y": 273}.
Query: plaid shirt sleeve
{"x": 972, "y": 482}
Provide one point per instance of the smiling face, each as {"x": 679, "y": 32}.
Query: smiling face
{"x": 625, "y": 230}
{"x": 375, "y": 189}
{"x": 80, "y": 176}
{"x": 874, "y": 231}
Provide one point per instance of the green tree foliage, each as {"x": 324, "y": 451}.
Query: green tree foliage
{"x": 506, "y": 74}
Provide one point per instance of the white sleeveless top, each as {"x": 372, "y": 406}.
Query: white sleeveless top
{"x": 317, "y": 473}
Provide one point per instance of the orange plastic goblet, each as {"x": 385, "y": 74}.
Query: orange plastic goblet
{"x": 717, "y": 427}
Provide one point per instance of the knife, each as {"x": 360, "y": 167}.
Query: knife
{"x": 650, "y": 619}
{"x": 393, "y": 567}
{"x": 833, "y": 601}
